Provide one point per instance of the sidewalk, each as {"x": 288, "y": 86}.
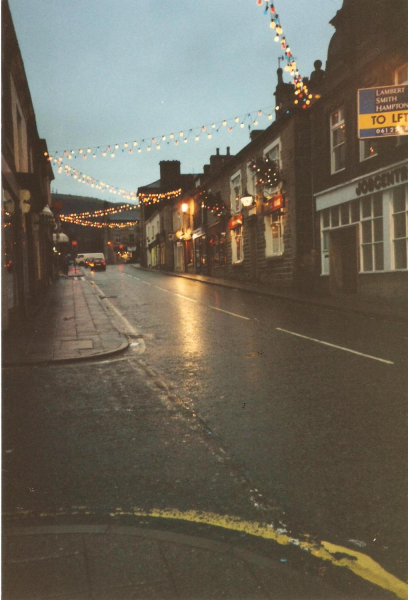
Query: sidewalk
{"x": 397, "y": 311}
{"x": 71, "y": 324}
{"x": 112, "y": 563}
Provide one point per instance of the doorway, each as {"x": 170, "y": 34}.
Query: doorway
{"x": 343, "y": 249}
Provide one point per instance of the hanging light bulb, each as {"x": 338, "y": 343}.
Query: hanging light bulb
{"x": 255, "y": 122}
{"x": 116, "y": 146}
{"x": 135, "y": 143}
{"x": 181, "y": 133}
{"x": 171, "y": 136}
{"x": 276, "y": 38}
{"x": 270, "y": 117}
{"x": 203, "y": 127}
{"x": 139, "y": 149}
{"x": 213, "y": 125}
{"x": 185, "y": 140}
{"x": 158, "y": 147}
{"x": 273, "y": 24}
{"x": 209, "y": 136}
{"x": 163, "y": 137}
{"x": 148, "y": 148}
{"x": 242, "y": 124}
{"x": 236, "y": 120}
{"x": 89, "y": 150}
{"x": 126, "y": 144}
{"x": 113, "y": 155}
{"x": 224, "y": 122}
{"x": 273, "y": 11}
{"x": 259, "y": 2}
{"x": 104, "y": 153}
{"x": 196, "y": 138}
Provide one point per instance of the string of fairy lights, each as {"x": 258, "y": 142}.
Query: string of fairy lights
{"x": 97, "y": 224}
{"x": 157, "y": 142}
{"x": 301, "y": 90}
{"x": 136, "y": 146}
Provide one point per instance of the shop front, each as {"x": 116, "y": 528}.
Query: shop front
{"x": 364, "y": 238}
{"x": 216, "y": 250}
{"x": 200, "y": 251}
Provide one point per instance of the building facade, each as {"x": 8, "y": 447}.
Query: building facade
{"x": 361, "y": 185}
{"x": 27, "y": 221}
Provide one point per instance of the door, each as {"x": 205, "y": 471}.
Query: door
{"x": 343, "y": 260}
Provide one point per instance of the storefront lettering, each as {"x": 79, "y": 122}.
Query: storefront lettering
{"x": 379, "y": 182}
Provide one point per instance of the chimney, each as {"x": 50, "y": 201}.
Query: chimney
{"x": 254, "y": 133}
{"x": 228, "y": 151}
{"x": 218, "y": 151}
{"x": 207, "y": 170}
{"x": 169, "y": 172}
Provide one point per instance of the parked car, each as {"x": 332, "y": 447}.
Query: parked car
{"x": 97, "y": 264}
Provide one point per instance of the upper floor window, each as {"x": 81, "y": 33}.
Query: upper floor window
{"x": 368, "y": 149}
{"x": 401, "y": 75}
{"x": 337, "y": 140}
{"x": 236, "y": 192}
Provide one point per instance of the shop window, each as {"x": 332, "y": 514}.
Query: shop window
{"x": 372, "y": 235}
{"x": 400, "y": 226}
{"x": 274, "y": 234}
{"x": 236, "y": 193}
{"x": 237, "y": 244}
{"x": 337, "y": 140}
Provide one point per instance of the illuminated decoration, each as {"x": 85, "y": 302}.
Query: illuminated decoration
{"x": 118, "y": 149}
{"x": 266, "y": 172}
{"x": 112, "y": 210}
{"x": 91, "y": 181}
{"x": 147, "y": 199}
{"x": 290, "y": 66}
{"x": 96, "y": 224}
{"x": 214, "y": 203}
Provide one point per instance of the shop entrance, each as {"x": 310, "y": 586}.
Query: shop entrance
{"x": 343, "y": 260}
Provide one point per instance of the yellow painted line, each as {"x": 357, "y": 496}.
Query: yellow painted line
{"x": 360, "y": 564}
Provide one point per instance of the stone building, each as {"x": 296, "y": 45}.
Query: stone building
{"x": 360, "y": 177}
{"x": 155, "y": 202}
{"x": 27, "y": 221}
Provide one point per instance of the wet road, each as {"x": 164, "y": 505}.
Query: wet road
{"x": 320, "y": 430}
{"x": 297, "y": 415}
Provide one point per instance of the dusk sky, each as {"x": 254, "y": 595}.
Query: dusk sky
{"x": 104, "y": 72}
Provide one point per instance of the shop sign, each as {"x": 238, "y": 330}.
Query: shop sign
{"x": 131, "y": 248}
{"x": 379, "y": 182}
{"x": 198, "y": 232}
{"x": 383, "y": 111}
{"x": 273, "y": 204}
{"x": 235, "y": 222}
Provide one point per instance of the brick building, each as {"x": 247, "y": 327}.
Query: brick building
{"x": 360, "y": 185}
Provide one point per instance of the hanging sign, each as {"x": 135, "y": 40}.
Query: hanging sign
{"x": 235, "y": 222}
{"x": 383, "y": 111}
{"x": 273, "y": 204}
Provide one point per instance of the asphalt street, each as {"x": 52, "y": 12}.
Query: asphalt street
{"x": 240, "y": 405}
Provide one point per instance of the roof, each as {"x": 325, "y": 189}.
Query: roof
{"x": 126, "y": 215}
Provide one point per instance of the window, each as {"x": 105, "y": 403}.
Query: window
{"x": 272, "y": 153}
{"x": 372, "y": 236}
{"x": 400, "y": 226}
{"x": 337, "y": 140}
{"x": 237, "y": 244}
{"x": 401, "y": 75}
{"x": 368, "y": 149}
{"x": 236, "y": 193}
{"x": 131, "y": 238}
{"x": 117, "y": 239}
{"x": 274, "y": 234}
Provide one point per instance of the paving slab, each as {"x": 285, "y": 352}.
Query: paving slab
{"x": 72, "y": 324}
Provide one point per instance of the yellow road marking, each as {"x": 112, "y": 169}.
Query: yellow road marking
{"x": 360, "y": 564}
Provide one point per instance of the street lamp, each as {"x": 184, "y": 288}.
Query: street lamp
{"x": 184, "y": 207}
{"x": 246, "y": 199}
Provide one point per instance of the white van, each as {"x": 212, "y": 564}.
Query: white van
{"x": 81, "y": 258}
